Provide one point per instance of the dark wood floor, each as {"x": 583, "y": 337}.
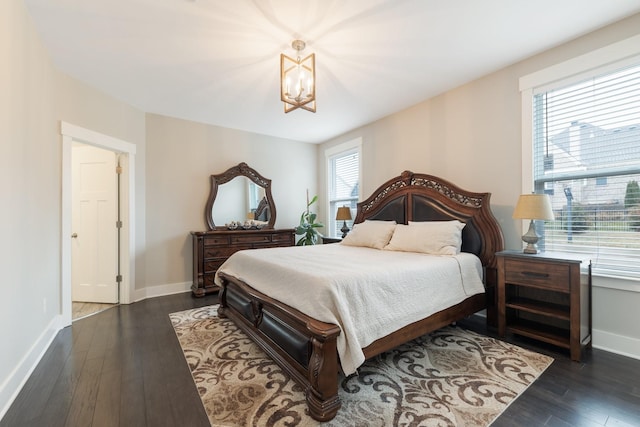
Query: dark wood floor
{"x": 124, "y": 367}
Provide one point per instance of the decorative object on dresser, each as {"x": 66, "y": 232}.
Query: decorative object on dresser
{"x": 344, "y": 215}
{"x": 545, "y": 297}
{"x": 306, "y": 347}
{"x": 533, "y": 207}
{"x": 239, "y": 193}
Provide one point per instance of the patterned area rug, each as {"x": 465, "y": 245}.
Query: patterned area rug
{"x": 451, "y": 377}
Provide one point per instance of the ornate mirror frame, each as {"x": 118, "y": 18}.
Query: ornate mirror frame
{"x": 242, "y": 169}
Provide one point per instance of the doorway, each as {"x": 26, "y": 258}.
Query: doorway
{"x": 94, "y": 222}
{"x": 76, "y": 136}
{"x": 95, "y": 268}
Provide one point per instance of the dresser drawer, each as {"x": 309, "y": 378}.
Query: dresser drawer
{"x": 250, "y": 238}
{"x": 282, "y": 238}
{"x": 213, "y": 265}
{"x": 222, "y": 251}
{"x": 209, "y": 280}
{"x": 531, "y": 273}
{"x": 216, "y": 240}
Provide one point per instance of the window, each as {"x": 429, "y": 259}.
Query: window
{"x": 586, "y": 157}
{"x": 343, "y": 173}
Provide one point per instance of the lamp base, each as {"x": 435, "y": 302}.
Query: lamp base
{"x": 344, "y": 229}
{"x": 531, "y": 239}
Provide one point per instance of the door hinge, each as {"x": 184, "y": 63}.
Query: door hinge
{"x": 118, "y": 169}
{"x": 118, "y": 224}
{"x": 119, "y": 278}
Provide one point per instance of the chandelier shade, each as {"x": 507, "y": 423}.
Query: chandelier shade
{"x": 298, "y": 80}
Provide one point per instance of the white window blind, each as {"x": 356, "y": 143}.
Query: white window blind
{"x": 344, "y": 173}
{"x": 586, "y": 153}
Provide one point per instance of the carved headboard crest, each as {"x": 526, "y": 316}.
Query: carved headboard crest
{"x": 408, "y": 178}
{"x": 421, "y": 197}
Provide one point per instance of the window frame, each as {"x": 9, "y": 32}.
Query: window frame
{"x": 607, "y": 59}
{"x": 345, "y": 148}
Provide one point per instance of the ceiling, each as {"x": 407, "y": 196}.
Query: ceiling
{"x": 217, "y": 61}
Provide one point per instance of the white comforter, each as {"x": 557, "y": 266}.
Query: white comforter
{"x": 369, "y": 293}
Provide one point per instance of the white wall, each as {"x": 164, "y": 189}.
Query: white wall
{"x": 29, "y": 178}
{"x": 181, "y": 155}
{"x": 472, "y": 136}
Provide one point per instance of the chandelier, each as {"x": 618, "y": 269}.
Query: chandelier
{"x": 298, "y": 80}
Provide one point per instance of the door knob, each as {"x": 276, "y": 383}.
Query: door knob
{"x": 74, "y": 236}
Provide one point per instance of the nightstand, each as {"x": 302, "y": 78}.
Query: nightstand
{"x": 326, "y": 239}
{"x": 543, "y": 296}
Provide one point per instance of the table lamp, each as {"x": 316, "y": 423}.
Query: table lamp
{"x": 344, "y": 215}
{"x": 533, "y": 207}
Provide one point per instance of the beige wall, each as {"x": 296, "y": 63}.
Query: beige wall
{"x": 181, "y": 155}
{"x": 29, "y": 178}
{"x": 472, "y": 136}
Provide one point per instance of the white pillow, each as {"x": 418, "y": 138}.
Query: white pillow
{"x": 370, "y": 234}
{"x": 429, "y": 237}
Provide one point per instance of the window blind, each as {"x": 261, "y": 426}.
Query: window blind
{"x": 586, "y": 157}
{"x": 344, "y": 172}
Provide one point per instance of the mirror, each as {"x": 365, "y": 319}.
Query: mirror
{"x": 240, "y": 194}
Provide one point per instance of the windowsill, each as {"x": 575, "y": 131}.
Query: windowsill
{"x": 618, "y": 283}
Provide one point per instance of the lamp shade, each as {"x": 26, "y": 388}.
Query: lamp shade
{"x": 533, "y": 206}
{"x": 343, "y": 214}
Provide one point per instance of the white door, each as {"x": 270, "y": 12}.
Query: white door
{"x": 94, "y": 238}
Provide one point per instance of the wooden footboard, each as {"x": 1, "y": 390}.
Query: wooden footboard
{"x": 303, "y": 347}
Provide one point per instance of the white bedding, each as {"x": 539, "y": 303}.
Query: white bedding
{"x": 368, "y": 292}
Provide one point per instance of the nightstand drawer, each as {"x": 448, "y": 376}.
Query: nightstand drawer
{"x": 540, "y": 274}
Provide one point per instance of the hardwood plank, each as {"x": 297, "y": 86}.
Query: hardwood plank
{"x": 132, "y": 409}
{"x": 84, "y": 399}
{"x": 107, "y": 407}
{"x": 57, "y": 407}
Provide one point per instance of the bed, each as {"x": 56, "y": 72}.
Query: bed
{"x": 306, "y": 347}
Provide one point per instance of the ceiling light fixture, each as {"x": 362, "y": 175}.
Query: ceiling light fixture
{"x": 298, "y": 80}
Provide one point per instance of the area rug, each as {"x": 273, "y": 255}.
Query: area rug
{"x": 450, "y": 377}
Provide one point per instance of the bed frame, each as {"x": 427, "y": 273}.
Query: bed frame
{"x": 306, "y": 348}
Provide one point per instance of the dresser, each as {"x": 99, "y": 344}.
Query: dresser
{"x": 545, "y": 297}
{"x": 212, "y": 248}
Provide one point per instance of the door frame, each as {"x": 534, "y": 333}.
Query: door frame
{"x": 127, "y": 151}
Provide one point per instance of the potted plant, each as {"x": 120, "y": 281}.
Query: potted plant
{"x": 308, "y": 227}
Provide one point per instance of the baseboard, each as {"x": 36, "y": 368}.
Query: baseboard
{"x": 11, "y": 387}
{"x": 619, "y": 344}
{"x": 161, "y": 290}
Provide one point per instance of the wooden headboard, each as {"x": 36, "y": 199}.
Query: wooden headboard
{"x": 420, "y": 197}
